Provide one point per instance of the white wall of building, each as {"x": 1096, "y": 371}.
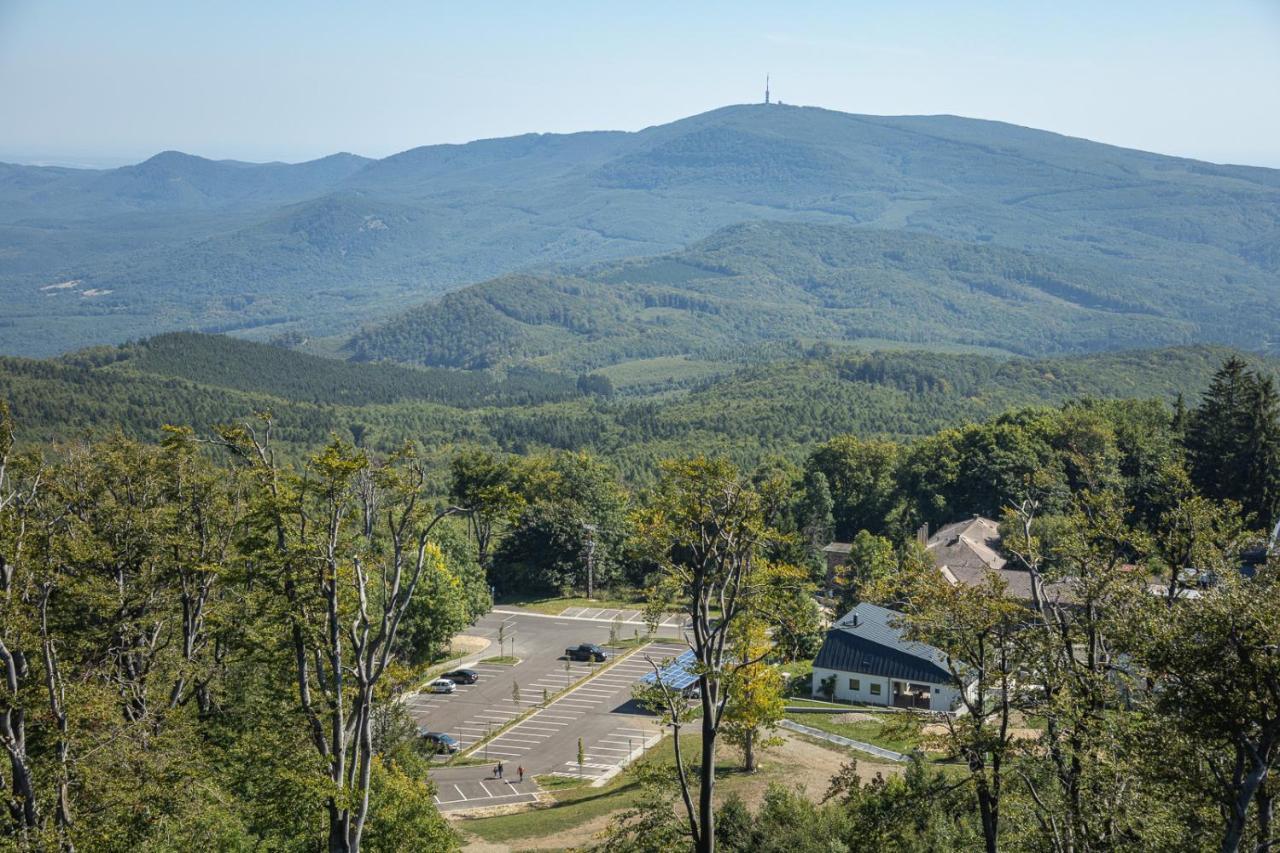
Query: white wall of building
{"x": 858, "y": 687}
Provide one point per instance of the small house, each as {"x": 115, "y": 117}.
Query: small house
{"x": 865, "y": 658}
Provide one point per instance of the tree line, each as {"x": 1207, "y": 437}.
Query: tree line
{"x": 202, "y": 639}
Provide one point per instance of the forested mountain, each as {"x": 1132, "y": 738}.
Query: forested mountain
{"x": 771, "y": 281}
{"x": 179, "y": 242}
{"x": 774, "y": 402}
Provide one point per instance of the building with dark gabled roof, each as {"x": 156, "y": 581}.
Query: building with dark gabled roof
{"x": 871, "y": 661}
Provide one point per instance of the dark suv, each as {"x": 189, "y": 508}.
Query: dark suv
{"x": 585, "y": 652}
{"x": 462, "y": 676}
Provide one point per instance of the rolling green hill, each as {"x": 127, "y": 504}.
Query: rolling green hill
{"x": 327, "y": 247}
{"x": 777, "y": 402}
{"x": 772, "y": 281}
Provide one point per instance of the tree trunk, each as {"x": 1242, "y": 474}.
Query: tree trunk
{"x": 990, "y": 818}
{"x": 1263, "y": 799}
{"x": 22, "y": 799}
{"x": 749, "y": 752}
{"x": 706, "y": 842}
{"x": 1238, "y": 814}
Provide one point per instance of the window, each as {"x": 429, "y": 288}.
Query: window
{"x": 875, "y": 690}
{"x": 855, "y": 684}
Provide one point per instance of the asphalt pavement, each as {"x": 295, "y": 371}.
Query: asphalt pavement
{"x": 612, "y": 728}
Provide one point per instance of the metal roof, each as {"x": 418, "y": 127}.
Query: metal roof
{"x": 677, "y": 675}
{"x": 867, "y": 641}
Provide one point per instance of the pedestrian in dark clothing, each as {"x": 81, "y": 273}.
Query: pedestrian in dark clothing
{"x": 499, "y": 769}
{"x": 520, "y": 770}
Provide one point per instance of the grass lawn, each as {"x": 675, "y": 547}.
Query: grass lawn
{"x": 551, "y": 782}
{"x": 893, "y": 733}
{"x": 504, "y": 660}
{"x": 577, "y": 806}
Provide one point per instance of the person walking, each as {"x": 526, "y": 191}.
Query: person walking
{"x": 520, "y": 772}
{"x": 499, "y": 769}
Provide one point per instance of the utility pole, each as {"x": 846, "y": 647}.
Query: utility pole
{"x": 591, "y": 558}
{"x": 766, "y": 89}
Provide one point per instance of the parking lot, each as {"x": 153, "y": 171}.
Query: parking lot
{"x": 599, "y": 711}
{"x": 671, "y": 621}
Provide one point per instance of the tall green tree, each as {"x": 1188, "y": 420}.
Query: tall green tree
{"x": 1233, "y": 441}
{"x": 860, "y": 477}
{"x": 705, "y": 528}
{"x": 1216, "y": 664}
{"x": 345, "y": 595}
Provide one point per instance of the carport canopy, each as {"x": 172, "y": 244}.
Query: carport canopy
{"x": 676, "y": 675}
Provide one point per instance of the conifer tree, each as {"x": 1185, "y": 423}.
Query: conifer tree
{"x": 1233, "y": 441}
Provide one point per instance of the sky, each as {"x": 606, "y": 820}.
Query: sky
{"x": 83, "y": 82}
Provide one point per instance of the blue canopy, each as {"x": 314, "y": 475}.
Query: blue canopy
{"x": 677, "y": 675}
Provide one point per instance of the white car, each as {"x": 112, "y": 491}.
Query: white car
{"x": 441, "y": 685}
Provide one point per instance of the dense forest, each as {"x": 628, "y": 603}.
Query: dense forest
{"x": 748, "y": 404}
{"x": 981, "y": 220}
{"x": 777, "y": 281}
{"x": 202, "y": 637}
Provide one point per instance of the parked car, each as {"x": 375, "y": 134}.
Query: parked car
{"x": 585, "y": 652}
{"x": 439, "y": 742}
{"x": 462, "y": 676}
{"x": 441, "y": 685}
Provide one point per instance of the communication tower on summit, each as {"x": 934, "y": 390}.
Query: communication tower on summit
{"x": 766, "y": 88}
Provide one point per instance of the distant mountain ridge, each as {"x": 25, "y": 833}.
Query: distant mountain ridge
{"x": 321, "y": 248}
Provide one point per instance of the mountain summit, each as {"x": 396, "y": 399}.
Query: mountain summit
{"x": 323, "y": 247}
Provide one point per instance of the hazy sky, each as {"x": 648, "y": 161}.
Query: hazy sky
{"x": 107, "y": 82}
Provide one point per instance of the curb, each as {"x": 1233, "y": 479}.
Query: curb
{"x": 869, "y": 748}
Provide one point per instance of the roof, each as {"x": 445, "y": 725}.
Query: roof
{"x": 839, "y": 548}
{"x": 967, "y": 552}
{"x": 678, "y": 674}
{"x": 867, "y": 641}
